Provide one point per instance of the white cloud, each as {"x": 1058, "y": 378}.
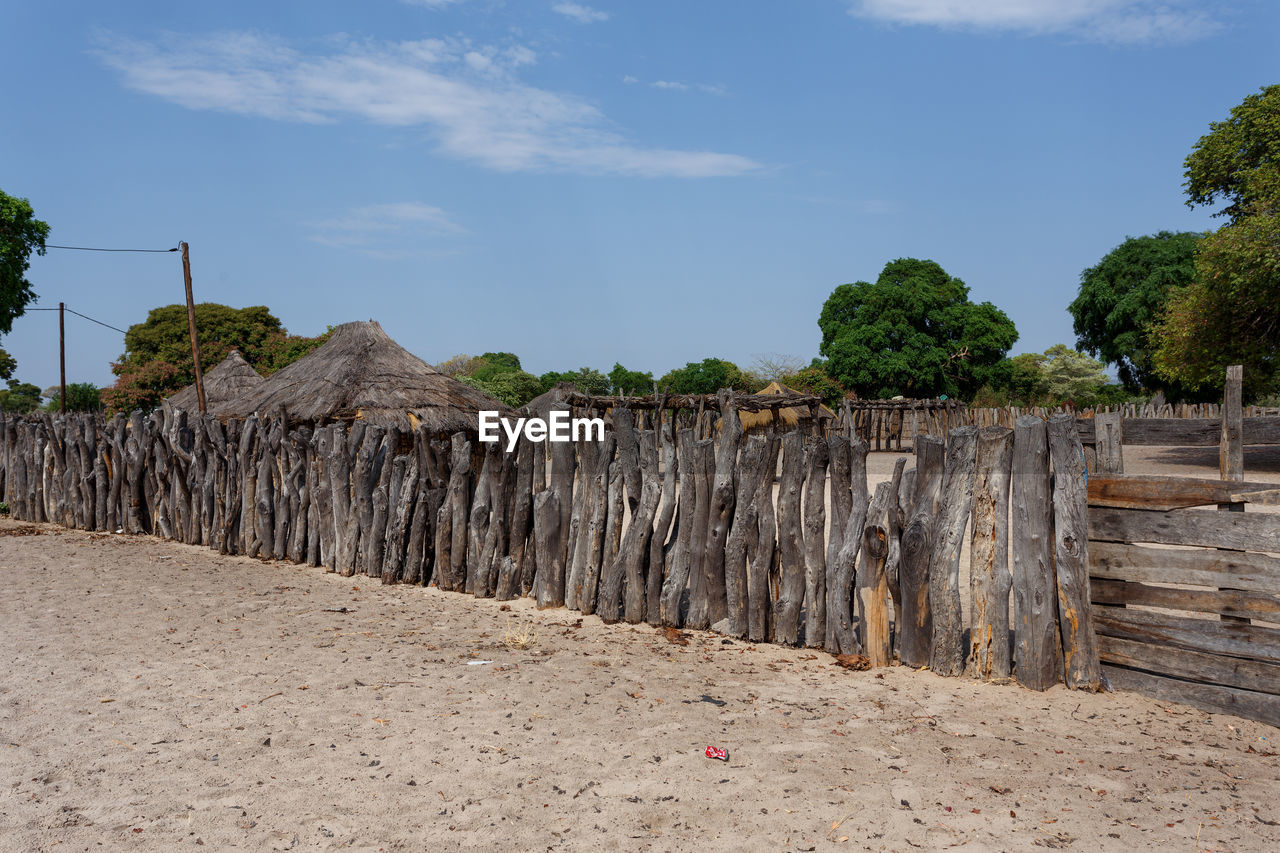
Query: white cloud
{"x": 629, "y": 80}
{"x": 581, "y": 14}
{"x": 1112, "y": 21}
{"x": 467, "y": 97}
{"x": 668, "y": 84}
{"x": 386, "y": 230}
{"x": 677, "y": 86}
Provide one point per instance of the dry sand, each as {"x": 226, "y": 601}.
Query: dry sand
{"x": 157, "y": 697}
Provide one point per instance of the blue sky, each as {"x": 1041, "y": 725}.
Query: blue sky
{"x": 585, "y": 183}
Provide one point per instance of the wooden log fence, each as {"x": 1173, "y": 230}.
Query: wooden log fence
{"x": 673, "y": 520}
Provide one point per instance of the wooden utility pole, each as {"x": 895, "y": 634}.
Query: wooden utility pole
{"x": 62, "y": 355}
{"x": 191, "y": 323}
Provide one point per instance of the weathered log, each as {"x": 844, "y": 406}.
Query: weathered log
{"x": 872, "y": 586}
{"x": 946, "y": 652}
{"x": 1264, "y": 707}
{"x": 681, "y": 556}
{"x": 522, "y": 506}
{"x": 791, "y": 563}
{"x": 452, "y": 560}
{"x": 1231, "y": 439}
{"x": 596, "y": 486}
{"x": 1109, "y": 443}
{"x": 699, "y": 615}
{"x": 990, "y": 579}
{"x": 723, "y": 498}
{"x": 750, "y": 472}
{"x": 842, "y": 637}
{"x": 394, "y": 562}
{"x": 1071, "y": 555}
{"x": 841, "y": 504}
{"x": 1163, "y": 493}
{"x": 478, "y": 523}
{"x": 590, "y": 498}
{"x": 550, "y": 550}
{"x": 815, "y": 550}
{"x": 563, "y": 465}
{"x": 1237, "y": 639}
{"x": 1243, "y": 604}
{"x": 658, "y": 547}
{"x": 1235, "y": 531}
{"x": 635, "y": 542}
{"x": 763, "y": 547}
{"x": 615, "y": 512}
{"x": 1037, "y": 653}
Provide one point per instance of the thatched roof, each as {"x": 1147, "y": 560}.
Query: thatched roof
{"x": 361, "y": 373}
{"x": 230, "y": 380}
{"x": 790, "y": 416}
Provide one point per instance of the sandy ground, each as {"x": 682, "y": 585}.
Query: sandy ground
{"x": 156, "y": 696}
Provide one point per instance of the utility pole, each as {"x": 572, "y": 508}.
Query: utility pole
{"x": 62, "y": 355}
{"x": 191, "y": 323}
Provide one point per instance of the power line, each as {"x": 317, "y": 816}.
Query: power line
{"x": 92, "y": 249}
{"x": 85, "y": 316}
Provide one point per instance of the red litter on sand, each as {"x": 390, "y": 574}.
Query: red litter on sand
{"x": 717, "y": 752}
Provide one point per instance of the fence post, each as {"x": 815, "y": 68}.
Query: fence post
{"x": 1108, "y": 442}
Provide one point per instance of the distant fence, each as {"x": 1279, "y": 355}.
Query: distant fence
{"x": 652, "y": 524}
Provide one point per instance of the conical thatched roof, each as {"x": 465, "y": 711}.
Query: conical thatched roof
{"x": 790, "y": 416}
{"x": 361, "y": 373}
{"x": 232, "y": 379}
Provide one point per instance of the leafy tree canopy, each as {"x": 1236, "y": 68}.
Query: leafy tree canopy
{"x": 81, "y": 397}
{"x": 515, "y": 387}
{"x": 1238, "y": 160}
{"x": 707, "y": 377}
{"x": 8, "y": 364}
{"x": 1123, "y": 296}
{"x": 630, "y": 382}
{"x": 587, "y": 379}
{"x": 21, "y": 234}
{"x": 1231, "y": 315}
{"x": 913, "y": 332}
{"x": 157, "y": 358}
{"x": 19, "y": 397}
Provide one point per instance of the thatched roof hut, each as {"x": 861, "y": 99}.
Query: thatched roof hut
{"x": 224, "y": 385}
{"x": 361, "y": 373}
{"x": 787, "y": 417}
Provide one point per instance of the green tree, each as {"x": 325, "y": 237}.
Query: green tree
{"x": 157, "y": 358}
{"x": 913, "y": 332}
{"x": 1124, "y": 295}
{"x": 707, "y": 377}
{"x": 19, "y": 397}
{"x": 1231, "y": 315}
{"x": 21, "y": 234}
{"x": 81, "y": 397}
{"x": 588, "y": 380}
{"x": 514, "y": 388}
{"x": 8, "y": 364}
{"x": 630, "y": 382}
{"x": 1238, "y": 160}
{"x": 1071, "y": 376}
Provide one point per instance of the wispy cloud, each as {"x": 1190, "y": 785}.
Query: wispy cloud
{"x": 432, "y": 4}
{"x": 467, "y": 96}
{"x": 1110, "y": 21}
{"x": 675, "y": 85}
{"x": 581, "y": 14}
{"x": 392, "y": 230}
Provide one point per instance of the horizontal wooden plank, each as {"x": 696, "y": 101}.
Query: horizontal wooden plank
{"x": 1263, "y": 707}
{"x": 1239, "y": 531}
{"x": 1266, "y": 497}
{"x": 1192, "y": 666}
{"x": 1231, "y": 602}
{"x": 1162, "y": 493}
{"x": 1201, "y": 566}
{"x": 1239, "y": 639}
{"x": 1185, "y": 432}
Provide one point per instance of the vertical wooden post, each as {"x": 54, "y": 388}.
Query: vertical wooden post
{"x": 191, "y": 325}
{"x": 62, "y": 356}
{"x": 1231, "y": 444}
{"x": 1071, "y": 551}
{"x": 1036, "y": 653}
{"x": 1108, "y": 442}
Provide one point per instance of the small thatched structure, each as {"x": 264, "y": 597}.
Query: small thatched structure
{"x": 224, "y": 386}
{"x": 787, "y": 417}
{"x": 361, "y": 373}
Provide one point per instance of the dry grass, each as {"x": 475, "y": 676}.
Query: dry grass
{"x": 518, "y": 639}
